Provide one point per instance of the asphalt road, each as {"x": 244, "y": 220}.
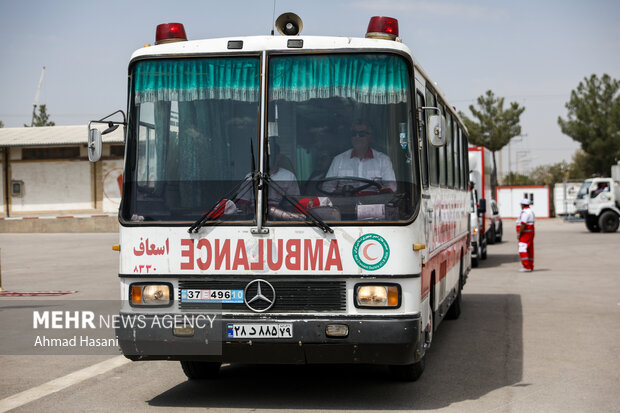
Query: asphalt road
{"x": 547, "y": 341}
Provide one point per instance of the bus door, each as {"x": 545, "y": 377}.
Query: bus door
{"x": 426, "y": 206}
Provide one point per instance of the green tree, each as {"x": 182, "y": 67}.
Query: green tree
{"x": 495, "y": 125}
{"x": 550, "y": 174}
{"x": 594, "y": 121}
{"x": 581, "y": 166}
{"x": 42, "y": 119}
{"x": 516, "y": 179}
{"x": 1, "y": 124}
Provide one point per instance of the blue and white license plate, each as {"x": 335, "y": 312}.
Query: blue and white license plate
{"x": 211, "y": 296}
{"x": 260, "y": 330}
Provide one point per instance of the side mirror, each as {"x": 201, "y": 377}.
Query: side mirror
{"x": 94, "y": 135}
{"x": 94, "y": 145}
{"x": 436, "y": 130}
{"x": 482, "y": 206}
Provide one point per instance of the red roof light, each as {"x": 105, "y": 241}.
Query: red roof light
{"x": 170, "y": 32}
{"x": 381, "y": 27}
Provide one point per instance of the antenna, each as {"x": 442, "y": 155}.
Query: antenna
{"x": 273, "y": 18}
{"x": 36, "y": 96}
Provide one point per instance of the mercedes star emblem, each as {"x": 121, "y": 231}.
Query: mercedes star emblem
{"x": 260, "y": 302}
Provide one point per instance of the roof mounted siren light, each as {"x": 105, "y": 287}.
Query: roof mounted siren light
{"x": 381, "y": 27}
{"x": 289, "y": 24}
{"x": 170, "y": 32}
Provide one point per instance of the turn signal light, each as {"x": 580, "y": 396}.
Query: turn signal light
{"x": 170, "y": 32}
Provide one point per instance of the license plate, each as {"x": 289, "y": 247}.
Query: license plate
{"x": 211, "y": 296}
{"x": 267, "y": 330}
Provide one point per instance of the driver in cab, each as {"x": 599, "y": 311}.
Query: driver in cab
{"x": 361, "y": 161}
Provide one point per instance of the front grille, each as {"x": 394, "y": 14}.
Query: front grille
{"x": 291, "y": 296}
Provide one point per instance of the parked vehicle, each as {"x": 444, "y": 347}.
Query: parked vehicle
{"x": 581, "y": 201}
{"x": 495, "y": 232}
{"x": 478, "y": 239}
{"x": 565, "y": 197}
{"x": 603, "y": 213}
{"x": 598, "y": 201}
{"x": 480, "y": 172}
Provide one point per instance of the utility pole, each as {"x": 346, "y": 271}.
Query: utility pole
{"x": 36, "y": 96}
{"x": 521, "y": 155}
{"x": 523, "y": 135}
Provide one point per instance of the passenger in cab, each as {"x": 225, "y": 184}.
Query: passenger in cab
{"x": 601, "y": 187}
{"x": 283, "y": 178}
{"x": 361, "y": 161}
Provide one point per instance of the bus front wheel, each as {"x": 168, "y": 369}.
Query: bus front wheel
{"x": 408, "y": 372}
{"x": 200, "y": 370}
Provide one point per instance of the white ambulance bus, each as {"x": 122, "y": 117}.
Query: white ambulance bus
{"x": 306, "y": 196}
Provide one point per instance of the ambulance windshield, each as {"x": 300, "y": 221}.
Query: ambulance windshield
{"x": 339, "y": 139}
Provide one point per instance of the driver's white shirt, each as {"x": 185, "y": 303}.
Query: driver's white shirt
{"x": 374, "y": 166}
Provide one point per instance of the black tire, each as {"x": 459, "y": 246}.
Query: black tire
{"x": 592, "y": 224}
{"x": 454, "y": 312}
{"x": 199, "y": 370}
{"x": 608, "y": 221}
{"x": 491, "y": 235}
{"x": 483, "y": 249}
{"x": 498, "y": 236}
{"x": 475, "y": 262}
{"x": 408, "y": 372}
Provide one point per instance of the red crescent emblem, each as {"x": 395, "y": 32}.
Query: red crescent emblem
{"x": 365, "y": 252}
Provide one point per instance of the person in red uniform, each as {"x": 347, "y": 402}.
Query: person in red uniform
{"x": 525, "y": 235}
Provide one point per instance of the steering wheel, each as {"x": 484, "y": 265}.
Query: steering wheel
{"x": 348, "y": 190}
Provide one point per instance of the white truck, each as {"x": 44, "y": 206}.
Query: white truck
{"x": 478, "y": 240}
{"x": 600, "y": 204}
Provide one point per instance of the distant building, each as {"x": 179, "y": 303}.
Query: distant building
{"x": 509, "y": 200}
{"x": 45, "y": 170}
{"x": 564, "y": 196}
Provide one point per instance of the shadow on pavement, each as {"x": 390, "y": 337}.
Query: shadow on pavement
{"x": 495, "y": 260}
{"x": 470, "y": 357}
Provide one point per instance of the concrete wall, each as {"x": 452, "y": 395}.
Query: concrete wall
{"x": 62, "y": 186}
{"x": 2, "y": 196}
{"x": 52, "y": 224}
{"x": 51, "y": 186}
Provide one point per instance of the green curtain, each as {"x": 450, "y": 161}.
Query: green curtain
{"x": 365, "y": 78}
{"x": 185, "y": 80}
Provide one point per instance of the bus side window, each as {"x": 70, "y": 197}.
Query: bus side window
{"x": 465, "y": 158}
{"x": 424, "y": 152}
{"x": 457, "y": 155}
{"x": 449, "y": 148}
{"x": 443, "y": 162}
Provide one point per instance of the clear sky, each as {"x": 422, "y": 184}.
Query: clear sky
{"x": 531, "y": 52}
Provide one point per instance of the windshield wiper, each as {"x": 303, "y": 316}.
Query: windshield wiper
{"x": 316, "y": 220}
{"x": 220, "y": 206}
{"x": 213, "y": 212}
